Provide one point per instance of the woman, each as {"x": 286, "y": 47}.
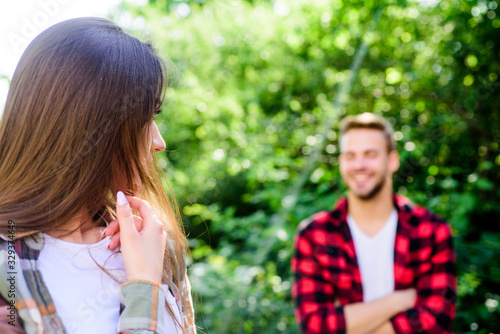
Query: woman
{"x": 78, "y": 132}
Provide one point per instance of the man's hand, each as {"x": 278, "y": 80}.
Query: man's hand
{"x": 386, "y": 328}
{"x": 406, "y": 298}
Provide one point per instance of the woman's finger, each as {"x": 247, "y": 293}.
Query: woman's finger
{"x": 124, "y": 215}
{"x": 115, "y": 237}
{"x": 114, "y": 226}
{"x": 145, "y": 210}
{"x": 115, "y": 241}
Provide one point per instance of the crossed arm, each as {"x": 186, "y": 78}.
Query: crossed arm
{"x": 373, "y": 317}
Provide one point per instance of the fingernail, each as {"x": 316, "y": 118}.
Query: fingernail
{"x": 104, "y": 231}
{"x": 121, "y": 199}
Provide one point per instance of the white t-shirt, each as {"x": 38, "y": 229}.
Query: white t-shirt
{"x": 375, "y": 257}
{"x": 85, "y": 297}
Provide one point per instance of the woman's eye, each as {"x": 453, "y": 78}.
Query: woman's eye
{"x": 157, "y": 112}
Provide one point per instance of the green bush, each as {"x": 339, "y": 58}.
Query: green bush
{"x": 251, "y": 131}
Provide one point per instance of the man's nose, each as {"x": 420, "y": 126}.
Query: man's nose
{"x": 359, "y": 162}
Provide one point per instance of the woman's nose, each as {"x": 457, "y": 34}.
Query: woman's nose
{"x": 158, "y": 142}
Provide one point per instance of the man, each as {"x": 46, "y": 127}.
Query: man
{"x": 376, "y": 263}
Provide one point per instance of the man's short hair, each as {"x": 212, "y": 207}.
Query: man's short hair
{"x": 369, "y": 121}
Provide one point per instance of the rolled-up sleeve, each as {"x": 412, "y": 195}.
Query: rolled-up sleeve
{"x": 144, "y": 308}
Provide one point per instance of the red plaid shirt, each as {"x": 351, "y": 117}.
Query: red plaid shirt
{"x": 325, "y": 269}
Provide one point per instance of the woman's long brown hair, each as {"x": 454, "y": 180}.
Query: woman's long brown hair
{"x": 75, "y": 129}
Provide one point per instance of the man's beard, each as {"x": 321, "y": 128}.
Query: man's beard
{"x": 376, "y": 189}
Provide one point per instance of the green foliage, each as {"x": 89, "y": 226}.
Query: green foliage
{"x": 252, "y": 140}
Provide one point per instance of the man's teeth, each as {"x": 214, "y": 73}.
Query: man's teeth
{"x": 360, "y": 177}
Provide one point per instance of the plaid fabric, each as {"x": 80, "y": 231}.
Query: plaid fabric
{"x": 325, "y": 270}
{"x": 143, "y": 312}
{"x": 36, "y": 313}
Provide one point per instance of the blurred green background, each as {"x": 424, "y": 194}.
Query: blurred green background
{"x": 251, "y": 131}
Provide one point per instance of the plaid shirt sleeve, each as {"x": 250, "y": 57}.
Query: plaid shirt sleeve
{"x": 143, "y": 313}
{"x": 312, "y": 292}
{"x": 436, "y": 287}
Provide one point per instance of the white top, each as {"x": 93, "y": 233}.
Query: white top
{"x": 375, "y": 257}
{"x": 85, "y": 297}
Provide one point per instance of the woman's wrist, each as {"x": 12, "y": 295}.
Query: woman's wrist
{"x": 144, "y": 281}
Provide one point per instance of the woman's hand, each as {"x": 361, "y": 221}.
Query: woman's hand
{"x": 142, "y": 239}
